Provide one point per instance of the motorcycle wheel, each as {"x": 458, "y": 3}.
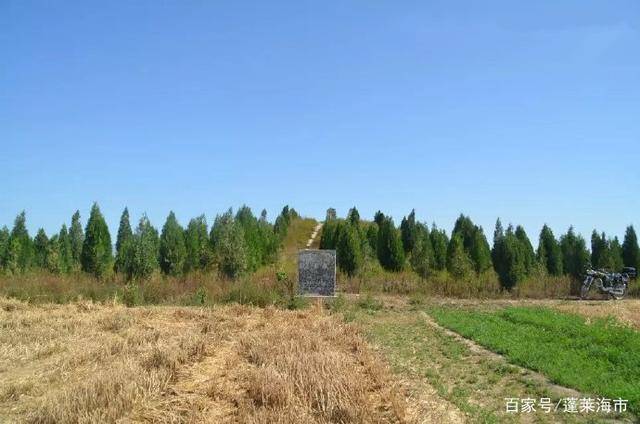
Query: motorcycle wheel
{"x": 584, "y": 291}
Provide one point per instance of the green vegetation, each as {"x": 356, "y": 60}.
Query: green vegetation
{"x": 630, "y": 249}
{"x": 598, "y": 358}
{"x": 96, "y": 257}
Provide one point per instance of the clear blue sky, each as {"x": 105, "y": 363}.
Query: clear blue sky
{"x": 529, "y": 111}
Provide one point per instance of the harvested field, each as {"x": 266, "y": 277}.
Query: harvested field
{"x": 85, "y": 363}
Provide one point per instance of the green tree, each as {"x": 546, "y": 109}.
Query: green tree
{"x": 52, "y": 258}
{"x": 378, "y": 218}
{"x": 630, "y": 249}
{"x": 76, "y": 236}
{"x": 459, "y": 264}
{"x": 4, "y": 245}
{"x": 349, "y": 247}
{"x": 96, "y": 257}
{"x": 228, "y": 245}
{"x": 331, "y": 214}
{"x": 390, "y": 251}
{"x": 259, "y": 238}
{"x": 474, "y": 243}
{"x": 40, "y": 243}
{"x": 329, "y": 236}
{"x": 439, "y": 243}
{"x": 599, "y": 250}
{"x": 353, "y": 216}
{"x": 549, "y": 253}
{"x": 20, "y": 250}
{"x": 615, "y": 254}
{"x": 198, "y": 255}
{"x": 575, "y": 256}
{"x": 65, "y": 251}
{"x": 141, "y": 251}
{"x": 372, "y": 237}
{"x": 530, "y": 256}
{"x": 408, "y": 231}
{"x": 124, "y": 234}
{"x": 172, "y": 247}
{"x": 510, "y": 256}
{"x": 422, "y": 257}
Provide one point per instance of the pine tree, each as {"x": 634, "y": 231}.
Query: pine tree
{"x": 140, "y": 252}
{"x": 76, "y": 237}
{"x": 40, "y": 244}
{"x": 474, "y": 243}
{"x": 172, "y": 247}
{"x": 630, "y": 249}
{"x": 4, "y": 245}
{"x": 599, "y": 250}
{"x": 20, "y": 250}
{"x": 510, "y": 255}
{"x": 408, "y": 231}
{"x": 96, "y": 257}
{"x": 198, "y": 254}
{"x": 331, "y": 214}
{"x": 615, "y": 254}
{"x": 328, "y": 238}
{"x": 228, "y": 245}
{"x": 378, "y": 218}
{"x": 575, "y": 256}
{"x": 422, "y": 257}
{"x": 372, "y": 237}
{"x": 459, "y": 264}
{"x": 349, "y": 247}
{"x": 66, "y": 254}
{"x": 124, "y": 234}
{"x": 353, "y": 216}
{"x": 390, "y": 251}
{"x": 52, "y": 258}
{"x": 549, "y": 253}
{"x": 439, "y": 243}
{"x": 530, "y": 256}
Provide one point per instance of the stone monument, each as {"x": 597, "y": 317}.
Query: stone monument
{"x": 317, "y": 272}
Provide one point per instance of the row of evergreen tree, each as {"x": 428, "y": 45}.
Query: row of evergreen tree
{"x": 235, "y": 244}
{"x": 467, "y": 252}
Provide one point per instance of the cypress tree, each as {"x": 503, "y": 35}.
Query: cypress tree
{"x": 40, "y": 244}
{"x": 124, "y": 235}
{"x": 255, "y": 241}
{"x": 4, "y": 245}
{"x": 349, "y": 247}
{"x": 408, "y": 231}
{"x": 530, "y": 256}
{"x": 141, "y": 251}
{"x": 474, "y": 243}
{"x": 439, "y": 243}
{"x": 52, "y": 258}
{"x": 197, "y": 245}
{"x": 599, "y": 253}
{"x": 378, "y": 218}
{"x": 20, "y": 249}
{"x": 354, "y": 217}
{"x": 64, "y": 245}
{"x": 372, "y": 237}
{"x": 228, "y": 245}
{"x": 96, "y": 257}
{"x": 459, "y": 264}
{"x": 331, "y": 214}
{"x": 575, "y": 256}
{"x": 422, "y": 257}
{"x": 390, "y": 251}
{"x": 172, "y": 248}
{"x": 76, "y": 237}
{"x": 615, "y": 254}
{"x": 549, "y": 254}
{"x": 630, "y": 249}
{"x": 328, "y": 238}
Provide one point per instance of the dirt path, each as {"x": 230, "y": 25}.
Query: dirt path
{"x": 316, "y": 230}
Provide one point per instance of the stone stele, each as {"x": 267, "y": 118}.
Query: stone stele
{"x": 317, "y": 272}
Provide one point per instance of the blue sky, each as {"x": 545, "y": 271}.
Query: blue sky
{"x": 529, "y": 111}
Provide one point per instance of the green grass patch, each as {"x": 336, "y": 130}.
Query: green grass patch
{"x": 601, "y": 358}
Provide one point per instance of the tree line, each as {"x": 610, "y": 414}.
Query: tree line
{"x": 427, "y": 250}
{"x": 234, "y": 245}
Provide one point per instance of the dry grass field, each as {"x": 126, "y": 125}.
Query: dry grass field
{"x": 88, "y": 363}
